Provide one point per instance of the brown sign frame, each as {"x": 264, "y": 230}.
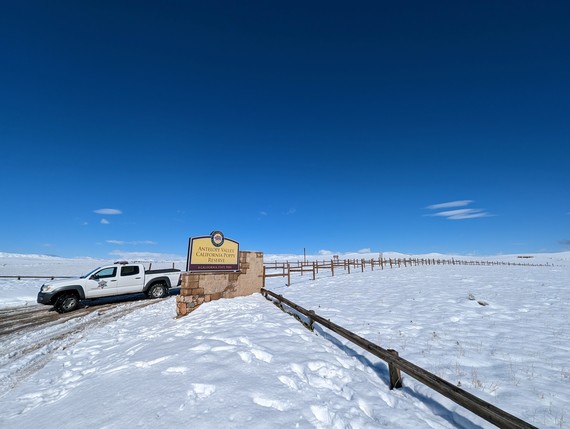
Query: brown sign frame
{"x": 212, "y": 253}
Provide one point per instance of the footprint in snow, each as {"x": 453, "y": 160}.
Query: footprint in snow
{"x": 289, "y": 382}
{"x": 201, "y": 391}
{"x": 257, "y": 354}
{"x": 175, "y": 370}
{"x": 270, "y": 403}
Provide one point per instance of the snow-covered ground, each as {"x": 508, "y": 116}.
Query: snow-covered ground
{"x": 244, "y": 363}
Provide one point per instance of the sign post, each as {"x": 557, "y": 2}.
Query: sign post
{"x": 212, "y": 253}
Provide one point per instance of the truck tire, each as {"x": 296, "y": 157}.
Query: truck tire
{"x": 157, "y": 290}
{"x": 66, "y": 302}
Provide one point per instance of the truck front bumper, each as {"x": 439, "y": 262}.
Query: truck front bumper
{"x": 45, "y": 298}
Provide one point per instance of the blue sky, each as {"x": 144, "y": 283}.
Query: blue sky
{"x": 130, "y": 126}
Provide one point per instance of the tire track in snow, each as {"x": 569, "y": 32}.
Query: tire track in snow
{"x": 31, "y": 336}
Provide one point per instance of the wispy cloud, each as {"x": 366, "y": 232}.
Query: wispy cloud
{"x": 290, "y": 212}
{"x": 462, "y": 214}
{"x": 104, "y": 222}
{"x": 366, "y": 250}
{"x": 565, "y": 242}
{"x": 451, "y": 204}
{"x": 458, "y": 214}
{"x": 263, "y": 213}
{"x": 146, "y": 256}
{"x": 108, "y": 211}
{"x": 121, "y": 242}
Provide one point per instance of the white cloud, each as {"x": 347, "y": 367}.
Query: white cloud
{"x": 325, "y": 252}
{"x": 263, "y": 213}
{"x": 462, "y": 214}
{"x": 290, "y": 212}
{"x": 104, "y": 222}
{"x": 458, "y": 214}
{"x": 108, "y": 211}
{"x": 120, "y": 242}
{"x": 459, "y": 203}
{"x": 146, "y": 256}
{"x": 366, "y": 250}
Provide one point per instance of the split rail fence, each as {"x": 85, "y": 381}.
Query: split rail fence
{"x": 271, "y": 269}
{"x": 396, "y": 365}
{"x": 36, "y": 277}
{"x": 58, "y": 277}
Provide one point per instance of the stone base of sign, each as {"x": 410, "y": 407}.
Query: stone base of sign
{"x": 198, "y": 288}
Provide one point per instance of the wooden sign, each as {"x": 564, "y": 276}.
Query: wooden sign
{"x": 213, "y": 252}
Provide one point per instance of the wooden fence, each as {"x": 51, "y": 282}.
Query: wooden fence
{"x": 36, "y": 277}
{"x": 483, "y": 409}
{"x": 60, "y": 277}
{"x": 284, "y": 269}
{"x": 271, "y": 269}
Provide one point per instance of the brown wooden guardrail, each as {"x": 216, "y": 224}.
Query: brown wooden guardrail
{"x": 36, "y": 277}
{"x": 483, "y": 409}
{"x": 289, "y": 267}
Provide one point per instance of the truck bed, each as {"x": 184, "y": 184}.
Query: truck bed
{"x": 165, "y": 270}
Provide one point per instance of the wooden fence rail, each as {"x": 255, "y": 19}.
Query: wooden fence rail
{"x": 57, "y": 277}
{"x": 483, "y": 409}
{"x": 36, "y": 277}
{"x": 394, "y": 261}
{"x": 289, "y": 267}
{"x": 313, "y": 267}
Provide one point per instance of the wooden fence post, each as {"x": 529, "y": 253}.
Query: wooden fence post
{"x": 395, "y": 376}
{"x": 332, "y": 268}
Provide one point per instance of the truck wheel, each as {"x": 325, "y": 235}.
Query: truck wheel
{"x": 66, "y": 303}
{"x": 157, "y": 291}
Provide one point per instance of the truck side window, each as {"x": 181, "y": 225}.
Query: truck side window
{"x": 107, "y": 272}
{"x": 129, "y": 270}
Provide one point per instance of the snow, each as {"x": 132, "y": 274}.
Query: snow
{"x": 242, "y": 362}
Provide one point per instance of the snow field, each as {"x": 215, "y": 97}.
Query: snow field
{"x": 513, "y": 352}
{"x": 244, "y": 363}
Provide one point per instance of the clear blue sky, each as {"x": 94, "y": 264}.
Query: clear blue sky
{"x": 286, "y": 125}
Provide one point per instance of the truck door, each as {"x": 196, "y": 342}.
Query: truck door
{"x": 102, "y": 283}
{"x": 130, "y": 280}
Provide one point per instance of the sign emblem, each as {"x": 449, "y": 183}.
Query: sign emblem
{"x": 217, "y": 238}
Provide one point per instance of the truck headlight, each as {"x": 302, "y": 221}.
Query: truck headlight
{"x": 46, "y": 288}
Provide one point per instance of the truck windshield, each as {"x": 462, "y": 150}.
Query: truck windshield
{"x": 89, "y": 273}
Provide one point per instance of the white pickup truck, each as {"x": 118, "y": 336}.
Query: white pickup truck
{"x": 120, "y": 278}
